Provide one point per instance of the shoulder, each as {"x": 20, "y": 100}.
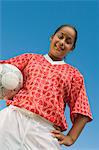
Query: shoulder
{"x": 76, "y": 73}
{"x": 30, "y": 55}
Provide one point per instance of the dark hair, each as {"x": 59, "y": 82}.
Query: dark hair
{"x": 67, "y": 25}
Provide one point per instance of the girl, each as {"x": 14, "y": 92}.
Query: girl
{"x": 34, "y": 118}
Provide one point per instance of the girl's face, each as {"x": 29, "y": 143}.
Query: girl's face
{"x": 62, "y": 42}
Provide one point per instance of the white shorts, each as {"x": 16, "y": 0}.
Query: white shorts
{"x": 21, "y": 131}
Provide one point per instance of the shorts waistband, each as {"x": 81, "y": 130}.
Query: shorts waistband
{"x": 31, "y": 115}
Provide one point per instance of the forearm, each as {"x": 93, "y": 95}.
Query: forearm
{"x": 73, "y": 133}
{"x": 77, "y": 127}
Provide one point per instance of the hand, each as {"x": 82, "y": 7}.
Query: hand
{"x": 5, "y": 98}
{"x": 63, "y": 139}
{"x": 57, "y": 127}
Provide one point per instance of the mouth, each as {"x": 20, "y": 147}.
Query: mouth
{"x": 58, "y": 48}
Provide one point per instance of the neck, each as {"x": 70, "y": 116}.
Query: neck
{"x": 54, "y": 58}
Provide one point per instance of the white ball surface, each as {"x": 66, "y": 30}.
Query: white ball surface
{"x": 0, "y": 68}
{"x": 11, "y": 80}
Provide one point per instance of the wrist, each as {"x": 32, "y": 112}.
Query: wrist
{"x": 72, "y": 139}
{"x": 68, "y": 141}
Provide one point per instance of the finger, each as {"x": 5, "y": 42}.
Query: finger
{"x": 56, "y": 131}
{"x": 61, "y": 142}
{"x": 58, "y": 136}
{"x": 57, "y": 127}
{"x": 5, "y": 98}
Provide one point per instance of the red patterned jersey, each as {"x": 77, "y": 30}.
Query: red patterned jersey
{"x": 48, "y": 87}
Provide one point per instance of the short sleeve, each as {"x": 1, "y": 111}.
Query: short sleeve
{"x": 78, "y": 100}
{"x": 19, "y": 61}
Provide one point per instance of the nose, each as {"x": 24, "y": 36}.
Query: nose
{"x": 62, "y": 43}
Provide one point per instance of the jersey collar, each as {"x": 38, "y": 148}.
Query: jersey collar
{"x": 48, "y": 58}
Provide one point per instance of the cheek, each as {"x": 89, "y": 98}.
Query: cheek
{"x": 68, "y": 47}
{"x": 52, "y": 44}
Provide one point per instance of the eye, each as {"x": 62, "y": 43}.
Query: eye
{"x": 69, "y": 41}
{"x": 60, "y": 36}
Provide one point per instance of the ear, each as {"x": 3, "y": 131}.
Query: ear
{"x": 72, "y": 48}
{"x": 51, "y": 37}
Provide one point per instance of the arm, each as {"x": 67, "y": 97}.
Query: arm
{"x": 19, "y": 61}
{"x": 80, "y": 112}
{"x": 78, "y": 126}
{"x": 73, "y": 133}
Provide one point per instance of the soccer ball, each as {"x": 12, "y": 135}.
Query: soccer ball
{"x": 11, "y": 80}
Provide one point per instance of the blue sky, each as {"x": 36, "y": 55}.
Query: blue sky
{"x": 26, "y": 26}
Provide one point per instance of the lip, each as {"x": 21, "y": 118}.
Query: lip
{"x": 58, "y": 48}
